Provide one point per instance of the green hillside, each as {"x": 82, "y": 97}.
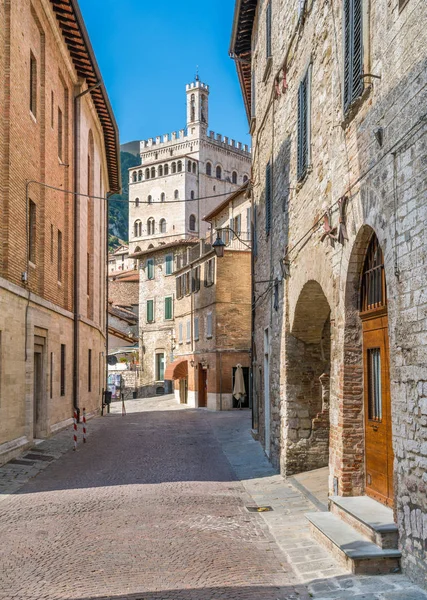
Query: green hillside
{"x": 118, "y": 218}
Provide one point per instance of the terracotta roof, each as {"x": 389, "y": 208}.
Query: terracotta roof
{"x": 225, "y": 203}
{"x": 184, "y": 242}
{"x": 76, "y": 38}
{"x": 121, "y": 335}
{"x": 123, "y": 313}
{"x": 130, "y": 275}
{"x": 240, "y": 46}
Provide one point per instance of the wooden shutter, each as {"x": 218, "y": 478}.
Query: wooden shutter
{"x": 353, "y": 51}
{"x": 150, "y": 268}
{"x": 302, "y": 129}
{"x": 231, "y": 230}
{"x": 168, "y": 308}
{"x": 150, "y": 311}
{"x": 178, "y": 287}
{"x": 196, "y": 328}
{"x": 268, "y": 198}
{"x": 268, "y": 29}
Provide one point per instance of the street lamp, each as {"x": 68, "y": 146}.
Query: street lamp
{"x": 218, "y": 245}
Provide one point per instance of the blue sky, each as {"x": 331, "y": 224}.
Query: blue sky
{"x": 148, "y": 51}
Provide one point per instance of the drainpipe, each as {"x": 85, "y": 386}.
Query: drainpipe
{"x": 76, "y": 147}
{"x": 107, "y": 287}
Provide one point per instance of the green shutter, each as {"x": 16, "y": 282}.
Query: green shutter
{"x": 150, "y": 311}
{"x": 168, "y": 264}
{"x": 168, "y": 308}
{"x": 150, "y": 268}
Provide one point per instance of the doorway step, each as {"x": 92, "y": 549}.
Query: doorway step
{"x": 360, "y": 533}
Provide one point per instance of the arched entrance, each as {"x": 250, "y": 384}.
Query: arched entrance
{"x": 376, "y": 377}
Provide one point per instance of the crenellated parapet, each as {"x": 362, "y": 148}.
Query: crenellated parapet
{"x": 170, "y": 139}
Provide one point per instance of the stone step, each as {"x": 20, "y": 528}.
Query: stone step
{"x": 356, "y": 553}
{"x": 369, "y": 517}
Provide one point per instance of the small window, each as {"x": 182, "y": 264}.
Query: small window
{"x": 160, "y": 171}
{"x": 89, "y": 371}
{"x": 179, "y": 166}
{"x": 195, "y": 281}
{"x": 192, "y": 195}
{"x": 188, "y": 331}
{"x": 162, "y": 225}
{"x": 60, "y": 135}
{"x": 268, "y": 30}
{"x": 153, "y": 172}
{"x": 192, "y": 223}
{"x": 189, "y": 166}
{"x": 166, "y": 169}
{"x": 139, "y": 175}
{"x": 59, "y": 256}
{"x": 147, "y": 173}
{"x": 173, "y": 167}
{"x": 353, "y": 52}
{"x": 180, "y": 333}
{"x": 137, "y": 229}
{"x": 168, "y": 308}
{"x": 160, "y": 366}
{"x": 168, "y": 264}
{"x": 150, "y": 199}
{"x": 150, "y": 268}
{"x": 179, "y": 290}
{"x": 136, "y": 202}
{"x": 32, "y": 230}
{"x": 62, "y": 377}
{"x": 150, "y": 311}
{"x": 303, "y": 148}
{"x": 52, "y": 112}
{"x": 176, "y": 194}
{"x": 196, "y": 328}
{"x": 151, "y": 225}
{"x": 209, "y": 325}
{"x": 234, "y": 177}
{"x": 218, "y": 172}
{"x": 209, "y": 169}
{"x": 194, "y": 168}
{"x": 134, "y": 177}
{"x": 245, "y": 178}
{"x": 33, "y": 84}
{"x": 51, "y": 243}
{"x": 162, "y": 197}
{"x": 268, "y": 198}
{"x": 209, "y": 272}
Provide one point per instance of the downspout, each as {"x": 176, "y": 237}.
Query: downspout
{"x": 107, "y": 287}
{"x": 252, "y": 391}
{"x": 76, "y": 144}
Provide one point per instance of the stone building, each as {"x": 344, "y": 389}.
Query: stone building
{"x": 213, "y": 311}
{"x": 59, "y": 159}
{"x": 336, "y": 97}
{"x": 179, "y": 167}
{"x": 157, "y": 312}
{"x": 119, "y": 261}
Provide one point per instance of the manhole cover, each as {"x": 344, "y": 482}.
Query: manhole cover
{"x": 259, "y": 509}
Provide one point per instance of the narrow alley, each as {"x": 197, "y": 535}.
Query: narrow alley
{"x": 154, "y": 507}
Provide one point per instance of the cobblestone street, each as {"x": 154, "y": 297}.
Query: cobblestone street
{"x": 153, "y": 507}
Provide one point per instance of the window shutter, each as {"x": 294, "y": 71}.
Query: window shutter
{"x": 353, "y": 52}
{"x": 303, "y": 123}
{"x": 168, "y": 308}
{"x": 268, "y": 29}
{"x": 231, "y": 230}
{"x": 196, "y": 328}
{"x": 180, "y": 332}
{"x": 268, "y": 198}
{"x": 188, "y": 331}
{"x": 168, "y": 264}
{"x": 209, "y": 325}
{"x": 150, "y": 268}
{"x": 178, "y": 287}
{"x": 150, "y": 311}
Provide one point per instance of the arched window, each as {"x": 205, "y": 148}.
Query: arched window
{"x": 173, "y": 167}
{"x": 139, "y": 175}
{"x": 166, "y": 169}
{"x": 153, "y": 172}
{"x": 192, "y": 223}
{"x": 234, "y": 177}
{"x": 245, "y": 178}
{"x": 137, "y": 229}
{"x": 203, "y": 105}
{"x": 162, "y": 225}
{"x": 176, "y": 194}
{"x": 136, "y": 202}
{"x": 179, "y": 166}
{"x": 192, "y": 195}
{"x": 162, "y": 197}
{"x": 193, "y": 108}
{"x": 134, "y": 176}
{"x": 160, "y": 171}
{"x": 218, "y": 172}
{"x": 147, "y": 173}
{"x": 209, "y": 169}
{"x": 194, "y": 168}
{"x": 189, "y": 166}
{"x": 149, "y": 199}
{"x": 373, "y": 293}
{"x": 150, "y": 226}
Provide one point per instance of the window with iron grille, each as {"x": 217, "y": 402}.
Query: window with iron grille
{"x": 373, "y": 291}
{"x": 32, "y": 232}
{"x": 150, "y": 311}
{"x": 268, "y": 29}
{"x": 353, "y": 51}
{"x": 303, "y": 150}
{"x": 89, "y": 370}
{"x": 59, "y": 256}
{"x": 33, "y": 84}
{"x": 60, "y": 135}
{"x": 268, "y": 194}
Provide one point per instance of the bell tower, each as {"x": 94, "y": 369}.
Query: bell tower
{"x": 197, "y": 106}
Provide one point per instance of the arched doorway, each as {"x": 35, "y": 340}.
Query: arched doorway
{"x": 376, "y": 369}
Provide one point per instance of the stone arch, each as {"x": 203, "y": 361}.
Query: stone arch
{"x": 308, "y": 381}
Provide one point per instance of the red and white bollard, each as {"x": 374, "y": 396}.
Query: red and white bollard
{"x": 84, "y": 426}
{"x": 75, "y": 430}
{"x": 123, "y": 406}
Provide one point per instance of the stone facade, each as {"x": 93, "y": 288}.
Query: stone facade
{"x": 43, "y": 373}
{"x": 119, "y": 261}
{"x": 178, "y": 167}
{"x": 213, "y": 317}
{"x": 308, "y": 367}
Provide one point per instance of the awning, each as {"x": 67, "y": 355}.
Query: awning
{"x": 177, "y": 370}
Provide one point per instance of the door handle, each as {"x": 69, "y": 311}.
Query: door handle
{"x": 374, "y": 427}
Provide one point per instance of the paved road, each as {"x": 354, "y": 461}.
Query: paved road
{"x": 148, "y": 509}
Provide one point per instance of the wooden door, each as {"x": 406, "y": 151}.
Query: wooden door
{"x": 378, "y": 431}
{"x": 183, "y": 390}
{"x": 37, "y": 390}
{"x": 203, "y": 383}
